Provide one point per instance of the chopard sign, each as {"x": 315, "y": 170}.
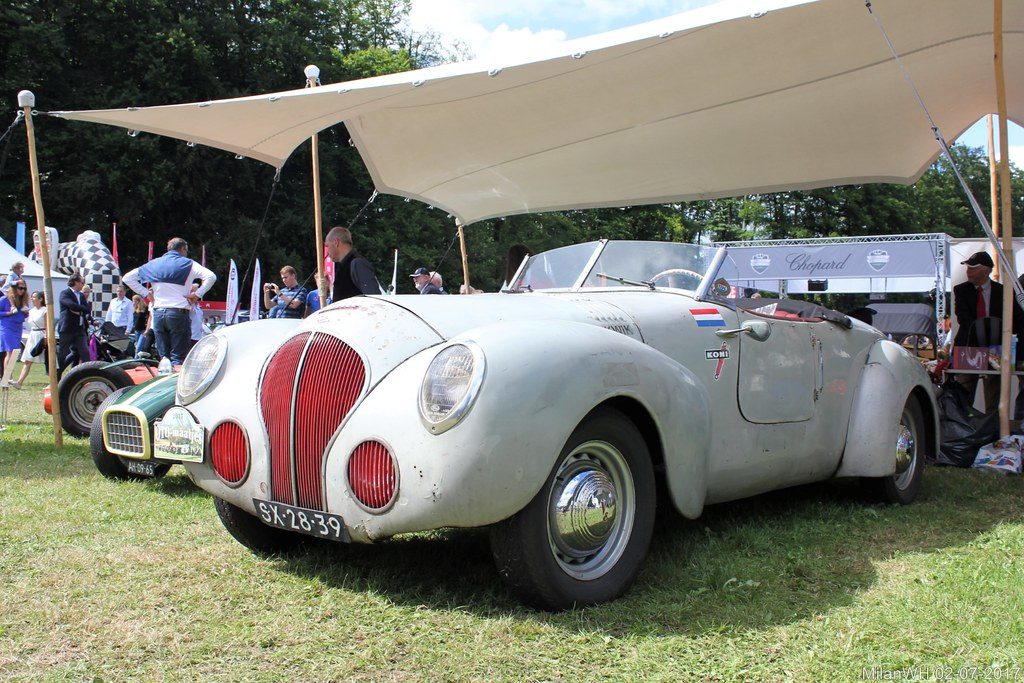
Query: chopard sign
{"x": 805, "y": 263}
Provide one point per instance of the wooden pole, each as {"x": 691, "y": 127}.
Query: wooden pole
{"x": 1006, "y": 362}
{"x": 26, "y": 100}
{"x": 993, "y": 176}
{"x": 312, "y": 73}
{"x": 465, "y": 257}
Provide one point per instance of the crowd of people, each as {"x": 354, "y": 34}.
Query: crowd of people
{"x": 162, "y": 316}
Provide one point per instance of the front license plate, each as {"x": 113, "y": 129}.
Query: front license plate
{"x": 143, "y": 468}
{"x": 177, "y": 436}
{"x": 301, "y": 520}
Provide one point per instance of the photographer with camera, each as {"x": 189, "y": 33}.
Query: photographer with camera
{"x": 288, "y": 301}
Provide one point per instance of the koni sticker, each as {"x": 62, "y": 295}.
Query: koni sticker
{"x": 720, "y": 355}
{"x": 707, "y": 317}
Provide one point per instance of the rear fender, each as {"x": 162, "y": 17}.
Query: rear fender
{"x": 888, "y": 380}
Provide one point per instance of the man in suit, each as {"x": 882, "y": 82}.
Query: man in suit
{"x": 73, "y": 325}
{"x": 978, "y": 297}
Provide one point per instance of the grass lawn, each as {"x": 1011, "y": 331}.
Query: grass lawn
{"x": 110, "y": 581}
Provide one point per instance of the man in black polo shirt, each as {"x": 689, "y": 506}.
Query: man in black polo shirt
{"x": 353, "y": 274}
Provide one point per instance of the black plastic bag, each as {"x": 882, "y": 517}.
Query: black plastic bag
{"x": 964, "y": 429}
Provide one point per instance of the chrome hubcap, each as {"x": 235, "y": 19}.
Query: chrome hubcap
{"x": 590, "y": 510}
{"x": 906, "y": 452}
{"x": 88, "y": 396}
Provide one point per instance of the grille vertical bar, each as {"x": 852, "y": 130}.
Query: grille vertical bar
{"x": 330, "y": 384}
{"x": 276, "y": 403}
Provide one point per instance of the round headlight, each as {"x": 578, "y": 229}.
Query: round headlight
{"x": 450, "y": 386}
{"x": 200, "y": 367}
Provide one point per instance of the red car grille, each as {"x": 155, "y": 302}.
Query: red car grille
{"x": 229, "y": 452}
{"x": 310, "y": 385}
{"x": 372, "y": 475}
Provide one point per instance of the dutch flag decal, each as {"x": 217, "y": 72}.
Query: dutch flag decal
{"x": 707, "y": 317}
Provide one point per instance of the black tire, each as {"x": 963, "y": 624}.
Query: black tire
{"x": 903, "y": 486}
{"x": 114, "y": 466}
{"x": 248, "y": 530}
{"x": 81, "y": 391}
{"x": 563, "y": 551}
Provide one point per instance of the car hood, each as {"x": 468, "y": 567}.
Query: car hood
{"x": 449, "y": 316}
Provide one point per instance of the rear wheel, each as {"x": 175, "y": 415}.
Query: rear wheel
{"x": 114, "y": 466}
{"x": 248, "y": 530}
{"x": 583, "y": 537}
{"x": 81, "y": 391}
{"x": 903, "y": 486}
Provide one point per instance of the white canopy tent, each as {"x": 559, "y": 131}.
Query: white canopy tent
{"x": 741, "y": 97}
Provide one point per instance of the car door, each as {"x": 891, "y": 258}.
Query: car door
{"x": 778, "y": 373}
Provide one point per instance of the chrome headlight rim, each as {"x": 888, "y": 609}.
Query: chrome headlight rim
{"x": 463, "y": 406}
{"x": 185, "y": 398}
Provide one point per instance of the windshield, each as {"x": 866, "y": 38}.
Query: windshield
{"x": 618, "y": 264}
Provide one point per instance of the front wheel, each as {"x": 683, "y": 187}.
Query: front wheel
{"x": 114, "y": 466}
{"x": 903, "y": 486}
{"x": 248, "y": 530}
{"x": 81, "y": 391}
{"x": 583, "y": 537}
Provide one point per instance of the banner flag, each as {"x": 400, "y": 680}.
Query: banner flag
{"x": 202, "y": 261}
{"x": 150, "y": 257}
{"x": 113, "y": 248}
{"x": 254, "y": 299}
{"x": 328, "y": 269}
{"x": 19, "y": 238}
{"x": 394, "y": 276}
{"x": 231, "y": 304}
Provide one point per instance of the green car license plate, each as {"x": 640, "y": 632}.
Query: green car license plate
{"x": 143, "y": 468}
{"x": 301, "y": 520}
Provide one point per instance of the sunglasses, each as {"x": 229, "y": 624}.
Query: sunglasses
{"x": 21, "y": 289}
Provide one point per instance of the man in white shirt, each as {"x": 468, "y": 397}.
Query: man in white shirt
{"x": 170, "y": 280}
{"x": 119, "y": 311}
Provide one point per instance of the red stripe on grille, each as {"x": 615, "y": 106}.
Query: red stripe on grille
{"x": 276, "y": 404}
{"x": 229, "y": 452}
{"x": 331, "y": 382}
{"x": 371, "y": 475}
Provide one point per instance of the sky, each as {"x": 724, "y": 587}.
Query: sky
{"x": 491, "y": 28}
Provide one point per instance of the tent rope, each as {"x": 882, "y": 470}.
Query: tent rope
{"x": 1004, "y": 262}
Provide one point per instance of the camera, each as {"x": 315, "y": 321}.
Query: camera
{"x": 268, "y": 286}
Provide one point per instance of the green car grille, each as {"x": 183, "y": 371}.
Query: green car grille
{"x": 124, "y": 432}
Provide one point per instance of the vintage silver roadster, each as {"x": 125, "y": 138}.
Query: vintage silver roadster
{"x": 551, "y": 413}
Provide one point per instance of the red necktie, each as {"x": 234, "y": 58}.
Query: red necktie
{"x": 981, "y": 302}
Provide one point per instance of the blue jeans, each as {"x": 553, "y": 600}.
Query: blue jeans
{"x": 173, "y": 330}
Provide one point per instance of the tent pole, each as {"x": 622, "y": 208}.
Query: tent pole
{"x": 1007, "y": 363}
{"x": 312, "y": 73}
{"x": 465, "y": 257}
{"x": 27, "y": 100}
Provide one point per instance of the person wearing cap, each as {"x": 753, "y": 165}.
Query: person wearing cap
{"x": 976, "y": 299}
{"x": 422, "y": 279}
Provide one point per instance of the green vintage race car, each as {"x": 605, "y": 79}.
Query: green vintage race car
{"x": 122, "y": 435}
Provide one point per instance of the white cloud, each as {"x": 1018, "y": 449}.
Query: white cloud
{"x": 496, "y": 29}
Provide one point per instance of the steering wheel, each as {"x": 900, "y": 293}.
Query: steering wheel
{"x": 679, "y": 271}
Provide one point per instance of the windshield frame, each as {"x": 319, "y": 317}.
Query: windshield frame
{"x": 544, "y": 262}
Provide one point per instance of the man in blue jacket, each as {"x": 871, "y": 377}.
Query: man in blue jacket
{"x": 170, "y": 279}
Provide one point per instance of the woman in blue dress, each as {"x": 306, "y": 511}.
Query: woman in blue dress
{"x": 13, "y": 312}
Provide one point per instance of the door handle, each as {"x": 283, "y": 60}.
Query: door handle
{"x": 757, "y": 329}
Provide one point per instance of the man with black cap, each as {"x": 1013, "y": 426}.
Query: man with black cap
{"x": 978, "y": 297}
{"x": 422, "y": 279}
